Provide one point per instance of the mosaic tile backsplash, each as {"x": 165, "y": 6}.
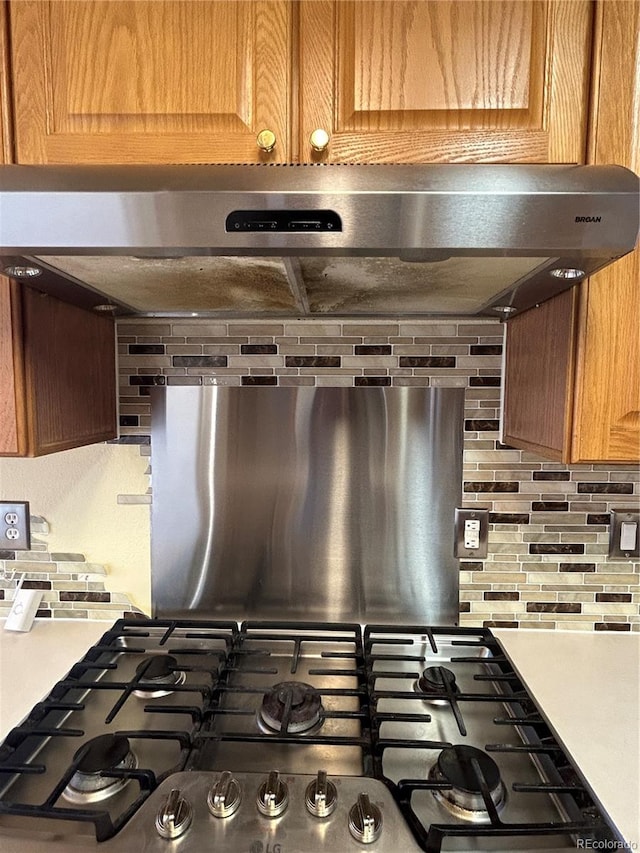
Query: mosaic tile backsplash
{"x": 71, "y": 587}
{"x": 549, "y": 523}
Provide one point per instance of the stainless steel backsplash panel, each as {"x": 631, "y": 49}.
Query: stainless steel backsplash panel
{"x": 306, "y": 503}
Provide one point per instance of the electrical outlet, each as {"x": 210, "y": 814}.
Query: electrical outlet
{"x": 471, "y": 533}
{"x": 15, "y": 531}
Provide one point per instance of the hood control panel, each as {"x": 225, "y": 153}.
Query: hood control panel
{"x": 283, "y": 220}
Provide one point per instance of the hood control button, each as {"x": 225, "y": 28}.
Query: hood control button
{"x": 225, "y": 796}
{"x": 273, "y": 796}
{"x": 174, "y": 816}
{"x": 321, "y": 796}
{"x": 365, "y": 820}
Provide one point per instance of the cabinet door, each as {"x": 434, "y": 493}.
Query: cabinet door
{"x": 137, "y": 81}
{"x": 607, "y": 422}
{"x": 420, "y": 81}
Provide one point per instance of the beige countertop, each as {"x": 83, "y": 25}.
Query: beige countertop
{"x": 587, "y": 686}
{"x": 31, "y": 663}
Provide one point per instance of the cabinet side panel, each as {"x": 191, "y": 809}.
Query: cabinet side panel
{"x": 70, "y": 370}
{"x": 607, "y": 423}
{"x": 6, "y": 141}
{"x": 12, "y": 426}
{"x": 538, "y": 374}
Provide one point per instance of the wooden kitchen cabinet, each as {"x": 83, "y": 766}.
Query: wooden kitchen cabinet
{"x": 474, "y": 81}
{"x": 117, "y": 81}
{"x": 572, "y": 380}
{"x": 57, "y": 361}
{"x": 572, "y": 371}
{"x": 57, "y": 374}
{"x": 106, "y": 81}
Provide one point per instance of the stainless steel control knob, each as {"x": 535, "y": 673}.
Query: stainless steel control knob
{"x": 174, "y": 816}
{"x": 273, "y": 796}
{"x": 365, "y": 820}
{"x": 225, "y": 796}
{"x": 321, "y": 796}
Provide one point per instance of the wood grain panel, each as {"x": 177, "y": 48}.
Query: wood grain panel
{"x": 608, "y": 407}
{"x": 150, "y": 81}
{"x": 477, "y": 57}
{"x": 6, "y": 142}
{"x": 12, "y": 414}
{"x": 538, "y": 377}
{"x": 607, "y": 424}
{"x": 461, "y": 81}
{"x": 70, "y": 374}
{"x": 568, "y": 78}
{"x": 157, "y": 65}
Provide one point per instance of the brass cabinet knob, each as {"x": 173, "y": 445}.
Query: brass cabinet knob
{"x": 266, "y": 140}
{"x": 319, "y": 139}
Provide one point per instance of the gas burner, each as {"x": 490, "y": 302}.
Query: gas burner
{"x": 291, "y": 707}
{"x": 431, "y": 684}
{"x": 464, "y": 799}
{"x": 161, "y": 671}
{"x": 105, "y": 753}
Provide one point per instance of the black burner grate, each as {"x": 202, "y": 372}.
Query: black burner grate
{"x": 338, "y": 644}
{"x": 379, "y": 644}
{"x": 70, "y": 697}
{"x": 218, "y": 702}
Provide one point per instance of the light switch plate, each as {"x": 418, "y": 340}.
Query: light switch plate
{"x": 465, "y": 532}
{"x": 620, "y": 536}
{"x": 15, "y": 531}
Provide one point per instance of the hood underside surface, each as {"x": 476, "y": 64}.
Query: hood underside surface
{"x": 319, "y": 286}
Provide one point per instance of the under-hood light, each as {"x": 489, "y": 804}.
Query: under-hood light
{"x": 18, "y": 271}
{"x": 568, "y": 273}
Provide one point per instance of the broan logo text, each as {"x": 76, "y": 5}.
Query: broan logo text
{"x": 588, "y": 219}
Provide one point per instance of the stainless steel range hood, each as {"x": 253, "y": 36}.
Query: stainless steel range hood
{"x": 314, "y": 240}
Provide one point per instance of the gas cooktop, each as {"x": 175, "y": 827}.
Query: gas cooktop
{"x": 280, "y": 737}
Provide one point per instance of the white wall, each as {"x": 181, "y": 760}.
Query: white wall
{"x": 76, "y": 491}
